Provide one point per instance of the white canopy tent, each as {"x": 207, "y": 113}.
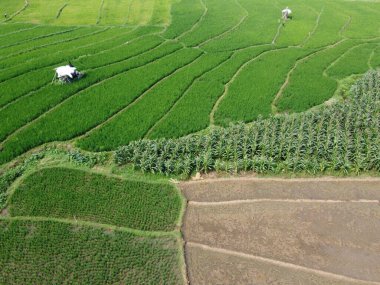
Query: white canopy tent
{"x": 66, "y": 70}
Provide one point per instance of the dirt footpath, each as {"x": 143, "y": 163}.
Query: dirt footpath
{"x": 274, "y": 231}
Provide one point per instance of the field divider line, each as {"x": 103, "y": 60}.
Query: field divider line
{"x": 4, "y": 70}
{"x": 31, "y": 92}
{"x": 283, "y": 180}
{"x": 90, "y": 45}
{"x": 125, "y": 58}
{"x": 338, "y": 58}
{"x": 201, "y": 18}
{"x": 68, "y": 98}
{"x": 246, "y": 14}
{"x": 249, "y": 201}
{"x": 60, "y": 10}
{"x": 82, "y": 56}
{"x": 277, "y": 34}
{"x": 100, "y": 12}
{"x": 37, "y": 38}
{"x": 26, "y": 4}
{"x": 344, "y": 27}
{"x": 136, "y": 100}
{"x": 371, "y": 57}
{"x": 19, "y": 31}
{"x": 228, "y": 84}
{"x": 298, "y": 62}
{"x": 314, "y": 29}
{"x": 282, "y": 264}
{"x": 76, "y": 222}
{"x": 182, "y": 96}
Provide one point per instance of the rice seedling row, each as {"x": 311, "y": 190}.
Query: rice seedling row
{"x": 298, "y": 96}
{"x": 84, "y": 255}
{"x": 79, "y": 195}
{"x": 186, "y": 14}
{"x": 122, "y": 90}
{"x": 215, "y": 22}
{"x": 183, "y": 118}
{"x": 355, "y": 61}
{"x": 33, "y": 80}
{"x": 130, "y": 125}
{"x": 252, "y": 93}
{"x": 30, "y": 107}
{"x": 40, "y": 32}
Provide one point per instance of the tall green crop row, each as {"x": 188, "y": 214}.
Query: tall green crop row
{"x": 131, "y": 125}
{"x": 33, "y": 35}
{"x": 119, "y": 53}
{"x": 364, "y": 19}
{"x": 343, "y": 137}
{"x": 30, "y": 107}
{"x": 308, "y": 85}
{"x": 331, "y": 22}
{"x": 67, "y": 193}
{"x": 14, "y": 28}
{"x": 185, "y": 14}
{"x": 91, "y": 107}
{"x": 259, "y": 27}
{"x": 99, "y": 55}
{"x": 45, "y": 252}
{"x": 54, "y": 55}
{"x": 355, "y": 61}
{"x": 252, "y": 92}
{"x": 69, "y": 41}
{"x": 218, "y": 19}
{"x": 25, "y": 47}
{"x": 192, "y": 112}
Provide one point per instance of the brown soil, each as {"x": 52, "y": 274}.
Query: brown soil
{"x": 4, "y": 212}
{"x": 274, "y": 231}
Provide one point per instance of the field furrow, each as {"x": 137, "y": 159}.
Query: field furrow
{"x": 251, "y": 93}
{"x": 297, "y": 96}
{"x": 214, "y": 23}
{"x": 31, "y": 107}
{"x": 128, "y": 87}
{"x": 185, "y": 16}
{"x": 129, "y": 125}
{"x": 34, "y": 80}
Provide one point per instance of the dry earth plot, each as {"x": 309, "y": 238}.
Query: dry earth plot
{"x": 265, "y": 231}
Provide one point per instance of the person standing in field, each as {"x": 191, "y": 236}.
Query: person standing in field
{"x": 286, "y": 13}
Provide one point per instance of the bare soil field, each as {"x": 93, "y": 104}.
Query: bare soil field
{"x": 275, "y": 231}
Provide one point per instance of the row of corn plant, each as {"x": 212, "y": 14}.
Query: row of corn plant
{"x": 343, "y": 137}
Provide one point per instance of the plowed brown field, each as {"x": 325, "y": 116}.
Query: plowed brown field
{"x": 273, "y": 231}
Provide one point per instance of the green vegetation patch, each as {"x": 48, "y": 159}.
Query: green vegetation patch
{"x": 74, "y": 194}
{"x": 46, "y": 252}
{"x": 340, "y": 137}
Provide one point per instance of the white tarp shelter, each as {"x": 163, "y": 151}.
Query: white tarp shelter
{"x": 66, "y": 70}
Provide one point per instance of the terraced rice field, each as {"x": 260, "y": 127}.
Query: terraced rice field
{"x": 158, "y": 70}
{"x": 162, "y": 68}
{"x": 273, "y": 231}
{"x": 69, "y": 226}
